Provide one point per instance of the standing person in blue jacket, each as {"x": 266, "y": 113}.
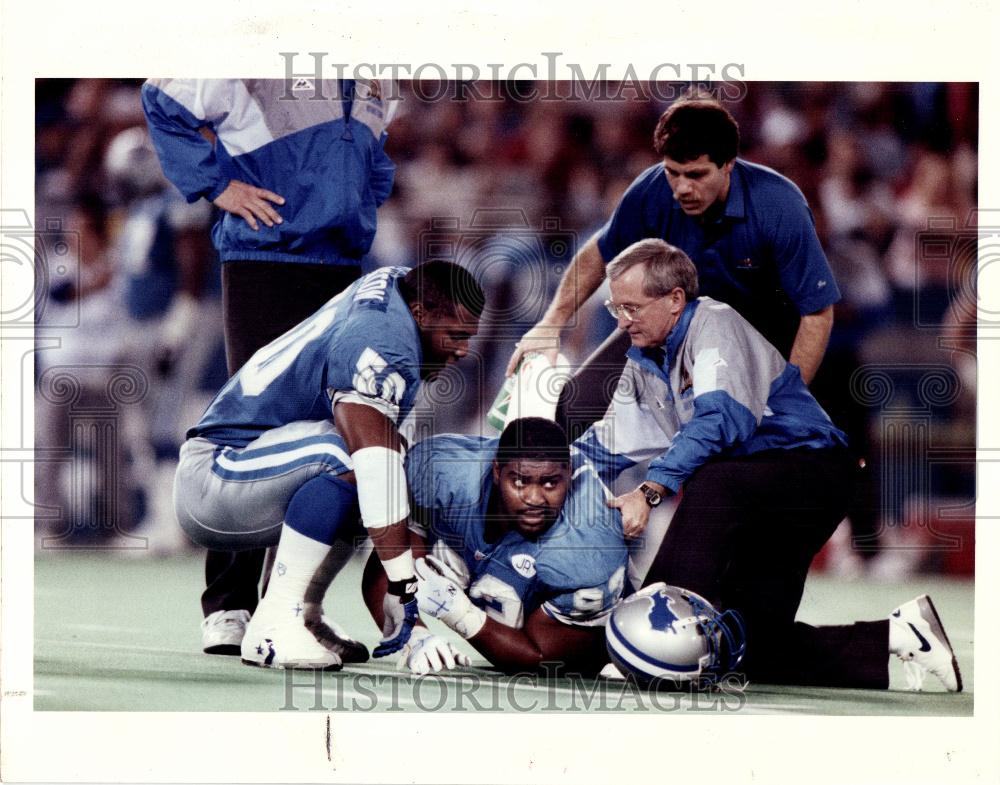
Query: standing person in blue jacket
{"x": 766, "y": 478}
{"x": 748, "y": 230}
{"x": 297, "y": 168}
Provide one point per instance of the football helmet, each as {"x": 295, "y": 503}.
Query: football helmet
{"x": 673, "y": 637}
{"x": 132, "y": 166}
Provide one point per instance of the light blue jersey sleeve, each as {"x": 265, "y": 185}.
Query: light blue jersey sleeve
{"x": 376, "y": 359}
{"x": 445, "y": 475}
{"x": 584, "y": 557}
{"x": 376, "y": 371}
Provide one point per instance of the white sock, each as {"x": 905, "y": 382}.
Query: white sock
{"x": 296, "y": 561}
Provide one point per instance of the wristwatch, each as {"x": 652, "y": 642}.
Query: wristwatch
{"x": 653, "y": 497}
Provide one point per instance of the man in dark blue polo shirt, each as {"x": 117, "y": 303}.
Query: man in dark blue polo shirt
{"x": 747, "y": 228}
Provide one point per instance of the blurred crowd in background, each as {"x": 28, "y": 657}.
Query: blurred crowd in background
{"x": 129, "y": 347}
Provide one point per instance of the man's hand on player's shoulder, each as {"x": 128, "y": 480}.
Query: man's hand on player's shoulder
{"x": 634, "y": 510}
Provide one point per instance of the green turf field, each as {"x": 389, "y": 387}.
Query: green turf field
{"x": 117, "y": 634}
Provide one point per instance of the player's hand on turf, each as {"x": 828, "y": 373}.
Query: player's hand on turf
{"x": 440, "y": 594}
{"x": 541, "y": 339}
{"x": 635, "y": 512}
{"x": 439, "y": 590}
{"x": 250, "y": 203}
{"x": 399, "y": 607}
{"x": 426, "y": 652}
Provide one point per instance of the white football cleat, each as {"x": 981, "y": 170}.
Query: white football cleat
{"x": 222, "y": 631}
{"x": 917, "y": 637}
{"x": 282, "y": 640}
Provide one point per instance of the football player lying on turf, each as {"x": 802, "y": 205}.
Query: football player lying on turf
{"x": 522, "y": 555}
{"x": 305, "y": 434}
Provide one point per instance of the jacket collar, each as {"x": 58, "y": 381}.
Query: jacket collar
{"x": 647, "y": 357}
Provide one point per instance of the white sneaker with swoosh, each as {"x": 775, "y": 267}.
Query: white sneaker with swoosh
{"x": 917, "y": 637}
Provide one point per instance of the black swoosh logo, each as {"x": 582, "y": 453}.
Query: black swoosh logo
{"x": 924, "y": 645}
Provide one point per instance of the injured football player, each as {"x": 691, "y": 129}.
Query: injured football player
{"x": 518, "y": 551}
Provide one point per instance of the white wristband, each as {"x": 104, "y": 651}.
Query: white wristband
{"x": 399, "y": 568}
{"x": 382, "y": 492}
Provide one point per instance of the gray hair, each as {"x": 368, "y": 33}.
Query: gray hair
{"x": 666, "y": 268}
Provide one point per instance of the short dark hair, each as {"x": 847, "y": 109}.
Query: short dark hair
{"x": 533, "y": 438}
{"x": 666, "y": 268}
{"x": 441, "y": 286}
{"x": 693, "y": 127}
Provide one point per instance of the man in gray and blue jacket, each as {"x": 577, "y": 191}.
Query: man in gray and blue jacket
{"x": 766, "y": 477}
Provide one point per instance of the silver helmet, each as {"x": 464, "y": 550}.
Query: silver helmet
{"x": 668, "y": 636}
{"x": 132, "y": 166}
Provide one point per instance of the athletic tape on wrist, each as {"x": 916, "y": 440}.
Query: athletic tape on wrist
{"x": 382, "y": 491}
{"x": 399, "y": 568}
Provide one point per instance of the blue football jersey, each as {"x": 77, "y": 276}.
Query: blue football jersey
{"x": 575, "y": 571}
{"x": 363, "y": 342}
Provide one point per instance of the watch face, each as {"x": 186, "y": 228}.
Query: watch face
{"x": 653, "y": 498}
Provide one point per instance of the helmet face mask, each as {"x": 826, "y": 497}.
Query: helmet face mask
{"x": 667, "y": 636}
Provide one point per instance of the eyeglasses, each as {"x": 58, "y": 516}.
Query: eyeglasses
{"x": 629, "y": 313}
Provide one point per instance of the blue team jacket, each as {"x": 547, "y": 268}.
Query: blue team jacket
{"x": 319, "y": 144}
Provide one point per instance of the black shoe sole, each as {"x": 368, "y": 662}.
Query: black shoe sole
{"x": 350, "y": 651}
{"x": 223, "y": 648}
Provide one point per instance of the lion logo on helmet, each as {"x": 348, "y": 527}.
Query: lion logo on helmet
{"x": 661, "y": 617}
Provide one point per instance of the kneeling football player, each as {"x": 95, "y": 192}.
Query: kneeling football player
{"x": 303, "y": 440}
{"x": 521, "y": 555}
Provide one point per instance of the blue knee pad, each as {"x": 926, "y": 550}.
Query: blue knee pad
{"x": 324, "y": 509}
